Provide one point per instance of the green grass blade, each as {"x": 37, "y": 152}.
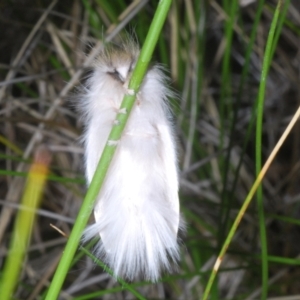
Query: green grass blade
{"x": 258, "y": 147}
{"x": 224, "y": 109}
{"x": 23, "y": 225}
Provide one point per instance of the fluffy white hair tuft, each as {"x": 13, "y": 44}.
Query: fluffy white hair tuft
{"x": 137, "y": 209}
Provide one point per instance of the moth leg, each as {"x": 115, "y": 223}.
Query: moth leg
{"x": 130, "y": 92}
{"x": 122, "y": 111}
{"x": 113, "y": 143}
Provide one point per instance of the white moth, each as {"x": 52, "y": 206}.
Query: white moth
{"x": 137, "y": 209}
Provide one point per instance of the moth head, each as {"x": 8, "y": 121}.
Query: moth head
{"x": 120, "y": 71}
{"x": 118, "y": 61}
